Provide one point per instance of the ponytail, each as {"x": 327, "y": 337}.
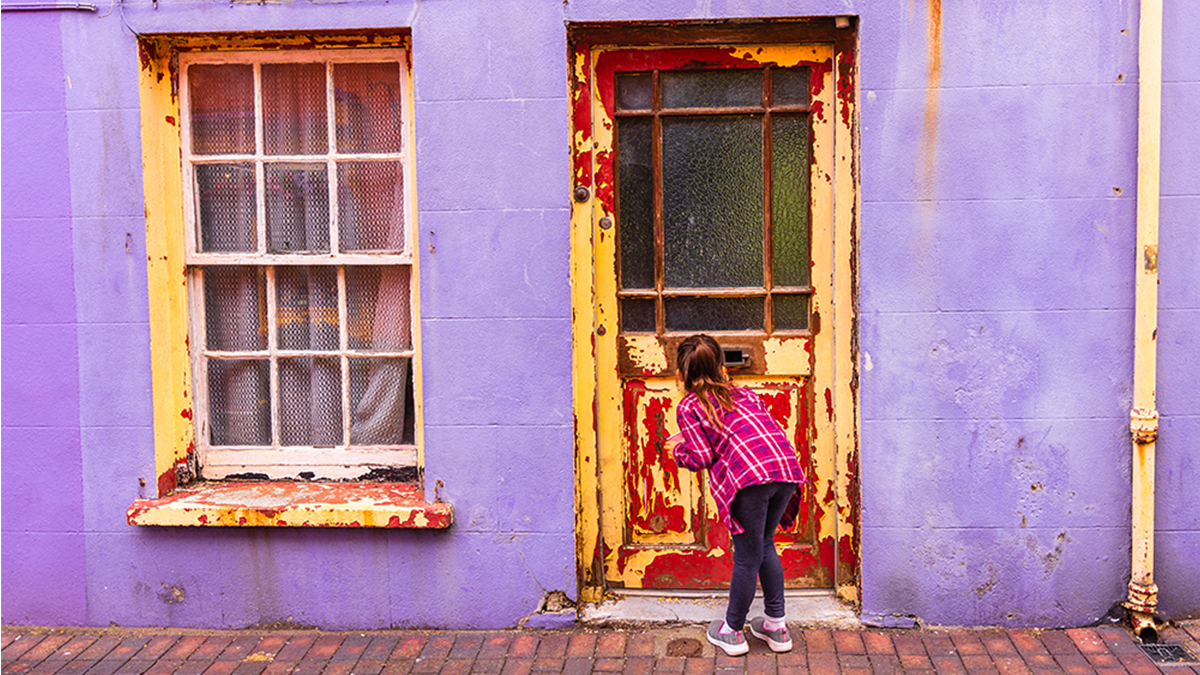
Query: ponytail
{"x": 701, "y": 362}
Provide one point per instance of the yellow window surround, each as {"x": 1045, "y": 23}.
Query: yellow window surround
{"x": 261, "y": 503}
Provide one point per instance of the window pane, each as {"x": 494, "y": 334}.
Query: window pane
{"x": 712, "y": 201}
{"x": 789, "y": 86}
{"x": 239, "y": 407}
{"x": 635, "y": 202}
{"x": 222, "y": 108}
{"x": 790, "y": 197}
{"x": 712, "y": 89}
{"x": 226, "y": 207}
{"x": 310, "y": 402}
{"x": 377, "y": 308}
{"x": 380, "y": 401}
{"x": 637, "y": 316}
{"x": 791, "y": 312}
{"x": 235, "y": 309}
{"x": 635, "y": 92}
{"x": 297, "y": 197}
{"x": 701, "y": 314}
{"x": 306, "y": 308}
{"x": 370, "y": 206}
{"x": 294, "y": 109}
{"x": 367, "y": 101}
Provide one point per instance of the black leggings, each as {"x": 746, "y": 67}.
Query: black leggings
{"x": 758, "y": 508}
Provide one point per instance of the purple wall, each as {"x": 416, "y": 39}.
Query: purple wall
{"x": 995, "y": 319}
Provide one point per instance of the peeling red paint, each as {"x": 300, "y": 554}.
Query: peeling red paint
{"x": 167, "y": 482}
{"x": 845, "y": 84}
{"x": 818, "y": 108}
{"x": 581, "y": 102}
{"x": 186, "y": 413}
{"x": 171, "y": 120}
{"x": 829, "y": 403}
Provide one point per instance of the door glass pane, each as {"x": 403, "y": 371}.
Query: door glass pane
{"x": 712, "y": 201}
{"x": 634, "y": 92}
{"x": 371, "y": 206}
{"x": 703, "y": 314}
{"x": 226, "y": 207}
{"x": 367, "y": 106}
{"x": 637, "y": 316}
{"x": 297, "y": 197}
{"x": 239, "y": 405}
{"x": 635, "y": 202}
{"x": 712, "y": 89}
{"x": 791, "y": 312}
{"x": 235, "y": 309}
{"x": 306, "y": 308}
{"x": 789, "y": 86}
{"x": 380, "y": 396}
{"x": 310, "y": 402}
{"x": 790, "y": 197}
{"x": 377, "y": 311}
{"x": 294, "y": 109}
{"x": 222, "y": 108}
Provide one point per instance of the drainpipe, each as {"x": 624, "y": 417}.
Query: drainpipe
{"x": 1143, "y": 593}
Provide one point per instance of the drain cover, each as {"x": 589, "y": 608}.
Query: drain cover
{"x": 1168, "y": 654}
{"x": 683, "y": 647}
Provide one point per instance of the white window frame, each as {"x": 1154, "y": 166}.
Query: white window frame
{"x": 278, "y": 461}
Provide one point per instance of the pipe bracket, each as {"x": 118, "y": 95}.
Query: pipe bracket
{"x": 1143, "y": 424}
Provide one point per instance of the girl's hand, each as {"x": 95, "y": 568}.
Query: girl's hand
{"x": 673, "y": 441}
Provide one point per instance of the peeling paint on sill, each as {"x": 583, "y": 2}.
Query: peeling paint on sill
{"x": 286, "y": 504}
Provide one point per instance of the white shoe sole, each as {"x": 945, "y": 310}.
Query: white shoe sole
{"x": 730, "y": 650}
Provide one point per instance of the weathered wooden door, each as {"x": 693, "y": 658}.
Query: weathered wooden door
{"x": 713, "y": 211}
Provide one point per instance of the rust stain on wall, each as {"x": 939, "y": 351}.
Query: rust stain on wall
{"x": 933, "y": 84}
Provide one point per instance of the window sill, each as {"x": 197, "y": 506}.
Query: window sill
{"x": 286, "y": 504}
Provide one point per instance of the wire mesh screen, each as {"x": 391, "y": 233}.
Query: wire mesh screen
{"x": 370, "y": 206}
{"x": 239, "y": 406}
{"x": 367, "y": 97}
{"x": 293, "y": 101}
{"x": 297, "y": 197}
{"x": 377, "y": 309}
{"x": 310, "y": 402}
{"x": 222, "y": 108}
{"x": 225, "y": 203}
{"x": 306, "y": 308}
{"x": 235, "y": 309}
{"x": 379, "y": 401}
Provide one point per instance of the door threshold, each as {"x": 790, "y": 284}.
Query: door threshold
{"x": 638, "y": 607}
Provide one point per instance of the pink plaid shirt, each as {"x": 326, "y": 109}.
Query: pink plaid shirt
{"x": 752, "y": 449}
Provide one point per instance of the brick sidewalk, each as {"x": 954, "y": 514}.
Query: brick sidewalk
{"x": 134, "y": 651}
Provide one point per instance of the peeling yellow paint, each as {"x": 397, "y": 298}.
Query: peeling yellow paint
{"x": 647, "y": 352}
{"x": 787, "y": 355}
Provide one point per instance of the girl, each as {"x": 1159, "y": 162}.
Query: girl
{"x": 753, "y": 474}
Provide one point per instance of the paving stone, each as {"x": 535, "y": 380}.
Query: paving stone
{"x": 669, "y": 665}
{"x": 698, "y": 666}
{"x": 581, "y": 645}
{"x": 397, "y": 667}
{"x": 368, "y": 667}
{"x": 853, "y": 662}
{"x": 520, "y": 666}
{"x": 20, "y": 645}
{"x": 553, "y": 646}
{"x": 577, "y": 665}
{"x": 909, "y": 643}
{"x": 44, "y": 648}
{"x": 100, "y": 648}
{"x": 491, "y": 666}
{"x": 381, "y": 648}
{"x": 878, "y": 643}
{"x": 608, "y": 665}
{"x": 523, "y": 647}
{"x": 409, "y": 647}
{"x": 457, "y": 667}
{"x": 352, "y": 648}
{"x": 610, "y": 645}
{"x": 184, "y": 647}
{"x": 548, "y": 664}
{"x": 816, "y": 640}
{"x": 947, "y": 665}
{"x": 998, "y": 644}
{"x": 885, "y": 664}
{"x": 967, "y": 643}
{"x": 821, "y": 663}
{"x": 494, "y": 647}
{"x": 1010, "y": 665}
{"x": 1058, "y": 643}
{"x": 466, "y": 647}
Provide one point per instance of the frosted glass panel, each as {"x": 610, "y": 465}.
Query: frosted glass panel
{"x": 307, "y": 307}
{"x": 634, "y": 92}
{"x": 222, "y": 108}
{"x": 378, "y": 315}
{"x": 380, "y": 401}
{"x": 367, "y": 102}
{"x": 712, "y": 89}
{"x": 703, "y": 314}
{"x": 370, "y": 206}
{"x": 635, "y": 202}
{"x": 235, "y": 309}
{"x": 712, "y": 201}
{"x": 790, "y": 199}
{"x": 239, "y": 402}
{"x": 226, "y": 207}
{"x": 310, "y": 402}
{"x": 789, "y": 86}
{"x": 294, "y": 109}
{"x": 637, "y": 316}
{"x": 297, "y": 197}
{"x": 791, "y": 312}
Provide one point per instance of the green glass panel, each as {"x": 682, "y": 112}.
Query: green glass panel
{"x": 635, "y": 202}
{"x": 635, "y": 92}
{"x": 791, "y": 312}
{"x": 704, "y": 314}
{"x": 712, "y": 201}
{"x": 637, "y": 316}
{"x": 789, "y": 86}
{"x": 712, "y": 89}
{"x": 790, "y": 199}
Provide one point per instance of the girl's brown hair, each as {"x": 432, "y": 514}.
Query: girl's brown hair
{"x": 701, "y": 362}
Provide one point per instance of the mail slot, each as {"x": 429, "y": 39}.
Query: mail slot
{"x": 736, "y": 357}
